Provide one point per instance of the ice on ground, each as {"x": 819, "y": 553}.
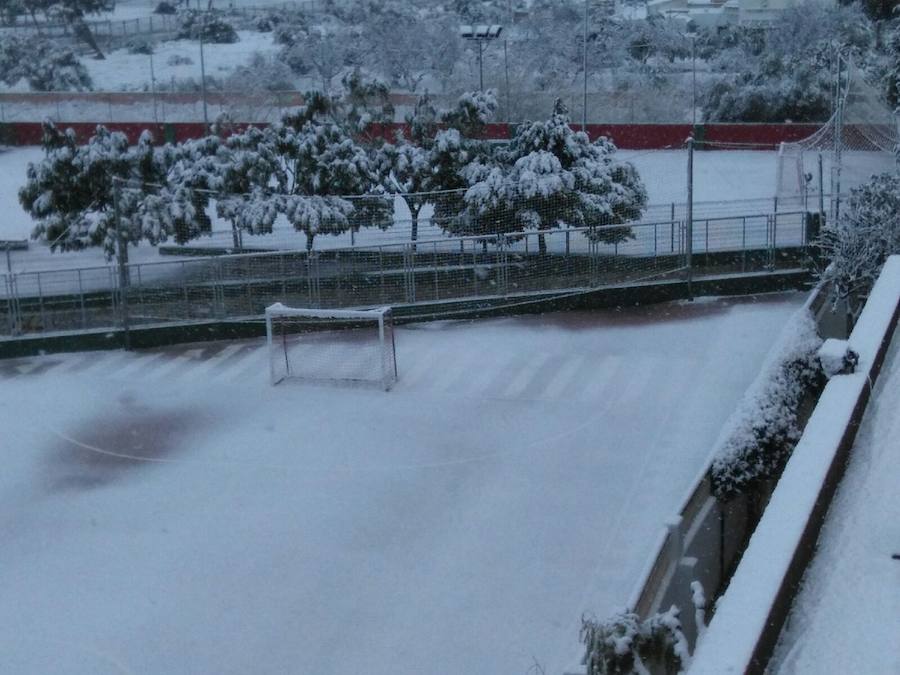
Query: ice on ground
{"x": 170, "y": 512}
{"x": 845, "y": 619}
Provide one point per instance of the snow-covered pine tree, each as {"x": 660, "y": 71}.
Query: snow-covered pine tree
{"x": 45, "y": 66}
{"x": 71, "y": 193}
{"x": 320, "y": 165}
{"x": 551, "y": 176}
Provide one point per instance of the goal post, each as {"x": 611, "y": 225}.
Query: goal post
{"x": 338, "y": 346}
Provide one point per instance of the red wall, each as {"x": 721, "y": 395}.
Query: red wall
{"x": 625, "y": 136}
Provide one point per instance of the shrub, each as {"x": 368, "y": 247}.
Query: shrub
{"x": 762, "y": 434}
{"x": 624, "y": 644}
{"x": 139, "y": 46}
{"x": 165, "y": 8}
{"x": 210, "y": 26}
{"x": 180, "y": 60}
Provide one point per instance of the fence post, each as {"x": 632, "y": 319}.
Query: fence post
{"x": 689, "y": 245}
{"x": 81, "y": 300}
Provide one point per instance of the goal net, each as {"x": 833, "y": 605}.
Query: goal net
{"x": 858, "y": 142}
{"x": 339, "y": 346}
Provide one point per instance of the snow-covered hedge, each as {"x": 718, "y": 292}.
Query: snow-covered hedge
{"x": 867, "y": 233}
{"x": 212, "y": 27}
{"x": 762, "y": 433}
{"x": 624, "y": 644}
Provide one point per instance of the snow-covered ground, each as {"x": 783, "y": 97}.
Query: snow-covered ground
{"x": 845, "y": 619}
{"x": 121, "y": 71}
{"x": 171, "y": 512}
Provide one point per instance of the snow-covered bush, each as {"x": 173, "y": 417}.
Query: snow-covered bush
{"x": 210, "y": 26}
{"x": 261, "y": 73}
{"x": 45, "y": 66}
{"x": 139, "y": 46}
{"x": 180, "y": 60}
{"x": 625, "y": 644}
{"x": 866, "y": 234}
{"x": 760, "y": 436}
{"x": 165, "y": 8}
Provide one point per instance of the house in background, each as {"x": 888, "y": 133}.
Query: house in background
{"x": 713, "y": 13}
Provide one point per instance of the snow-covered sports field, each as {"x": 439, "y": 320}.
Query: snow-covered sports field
{"x": 171, "y": 512}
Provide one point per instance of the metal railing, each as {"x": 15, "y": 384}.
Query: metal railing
{"x": 551, "y": 262}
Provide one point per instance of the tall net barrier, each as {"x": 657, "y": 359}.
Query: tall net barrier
{"x": 859, "y": 141}
{"x": 345, "y": 347}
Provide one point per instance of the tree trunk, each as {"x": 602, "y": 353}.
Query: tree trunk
{"x": 310, "y": 236}
{"x": 542, "y": 244}
{"x": 235, "y": 239}
{"x": 83, "y": 33}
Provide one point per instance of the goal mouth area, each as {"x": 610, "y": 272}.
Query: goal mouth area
{"x": 351, "y": 348}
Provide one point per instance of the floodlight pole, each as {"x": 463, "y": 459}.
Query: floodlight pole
{"x": 694, "y": 80}
{"x": 480, "y": 44}
{"x": 584, "y": 68}
{"x": 203, "y": 76}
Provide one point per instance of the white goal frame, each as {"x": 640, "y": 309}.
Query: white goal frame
{"x": 382, "y": 317}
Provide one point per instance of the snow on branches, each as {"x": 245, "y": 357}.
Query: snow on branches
{"x": 43, "y": 65}
{"x": 762, "y": 433}
{"x": 625, "y": 644}
{"x": 551, "y": 176}
{"x": 866, "y": 234}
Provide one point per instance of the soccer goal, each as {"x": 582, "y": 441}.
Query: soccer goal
{"x": 341, "y": 346}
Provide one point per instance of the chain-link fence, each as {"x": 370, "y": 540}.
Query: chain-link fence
{"x": 517, "y": 267}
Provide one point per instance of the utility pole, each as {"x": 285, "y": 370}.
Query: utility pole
{"x": 203, "y": 75}
{"x": 584, "y": 68}
{"x": 689, "y": 243}
{"x": 694, "y": 80}
{"x": 838, "y": 141}
{"x": 506, "y": 69}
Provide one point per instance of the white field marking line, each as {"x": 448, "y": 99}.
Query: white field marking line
{"x": 601, "y": 377}
{"x": 205, "y": 366}
{"x": 105, "y": 360}
{"x": 524, "y": 377}
{"x": 256, "y": 366}
{"x": 597, "y": 573}
{"x": 484, "y": 376}
{"x": 562, "y": 377}
{"x": 25, "y": 368}
{"x": 639, "y": 378}
{"x": 163, "y": 371}
{"x": 518, "y": 448}
{"x": 418, "y": 368}
{"x": 72, "y": 361}
{"x": 137, "y": 364}
{"x": 229, "y": 371}
{"x": 446, "y": 379}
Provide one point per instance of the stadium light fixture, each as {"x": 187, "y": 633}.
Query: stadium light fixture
{"x": 480, "y": 34}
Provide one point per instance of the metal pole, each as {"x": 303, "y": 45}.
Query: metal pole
{"x": 153, "y": 89}
{"x": 203, "y": 77}
{"x": 838, "y": 142}
{"x": 821, "y": 193}
{"x": 123, "y": 272}
{"x": 584, "y": 68}
{"x": 689, "y": 244}
{"x": 480, "y": 64}
{"x": 694, "y": 80}
{"x": 506, "y": 69}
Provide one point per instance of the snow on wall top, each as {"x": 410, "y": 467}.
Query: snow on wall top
{"x": 742, "y": 613}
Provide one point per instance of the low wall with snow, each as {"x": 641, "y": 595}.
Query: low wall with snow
{"x": 750, "y": 615}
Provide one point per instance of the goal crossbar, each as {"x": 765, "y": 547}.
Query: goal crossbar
{"x": 340, "y": 345}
